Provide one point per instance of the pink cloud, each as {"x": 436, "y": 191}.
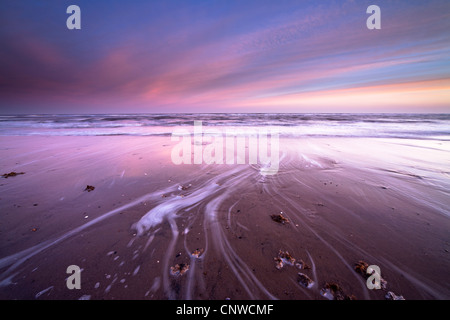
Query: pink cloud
{"x": 406, "y": 96}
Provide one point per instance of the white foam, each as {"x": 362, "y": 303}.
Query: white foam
{"x": 40, "y": 293}
{"x": 170, "y": 208}
{"x": 310, "y": 162}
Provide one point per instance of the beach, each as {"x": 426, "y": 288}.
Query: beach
{"x": 152, "y": 229}
{"x": 224, "y": 157}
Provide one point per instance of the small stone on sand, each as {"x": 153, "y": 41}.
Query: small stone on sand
{"x": 89, "y": 188}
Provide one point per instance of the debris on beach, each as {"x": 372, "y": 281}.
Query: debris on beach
{"x": 283, "y": 258}
{"x": 362, "y": 266}
{"x": 320, "y": 204}
{"x": 181, "y": 187}
{"x": 34, "y": 229}
{"x": 332, "y": 291}
{"x": 392, "y": 296}
{"x": 279, "y": 262}
{"x": 197, "y": 253}
{"x": 304, "y": 280}
{"x": 11, "y": 174}
{"x": 302, "y": 265}
{"x": 89, "y": 188}
{"x": 179, "y": 269}
{"x": 279, "y": 218}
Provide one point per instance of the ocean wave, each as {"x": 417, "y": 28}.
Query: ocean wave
{"x": 416, "y": 126}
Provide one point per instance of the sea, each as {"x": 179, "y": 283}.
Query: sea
{"x": 386, "y": 125}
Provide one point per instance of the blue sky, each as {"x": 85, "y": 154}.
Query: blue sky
{"x": 224, "y": 56}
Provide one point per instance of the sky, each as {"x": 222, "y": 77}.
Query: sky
{"x": 261, "y": 56}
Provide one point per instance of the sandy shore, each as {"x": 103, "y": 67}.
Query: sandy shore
{"x": 385, "y": 202}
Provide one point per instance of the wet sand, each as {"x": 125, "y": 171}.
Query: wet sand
{"x": 382, "y": 201}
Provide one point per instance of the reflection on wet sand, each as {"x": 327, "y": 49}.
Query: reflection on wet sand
{"x": 230, "y": 232}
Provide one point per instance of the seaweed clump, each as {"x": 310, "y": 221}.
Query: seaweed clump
{"x": 197, "y": 253}
{"x": 11, "y": 174}
{"x": 283, "y": 258}
{"x": 179, "y": 269}
{"x": 361, "y": 267}
{"x": 89, "y": 188}
{"x": 304, "y": 280}
{"x": 279, "y": 218}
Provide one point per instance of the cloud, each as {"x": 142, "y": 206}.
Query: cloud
{"x": 407, "y": 97}
{"x": 218, "y": 55}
